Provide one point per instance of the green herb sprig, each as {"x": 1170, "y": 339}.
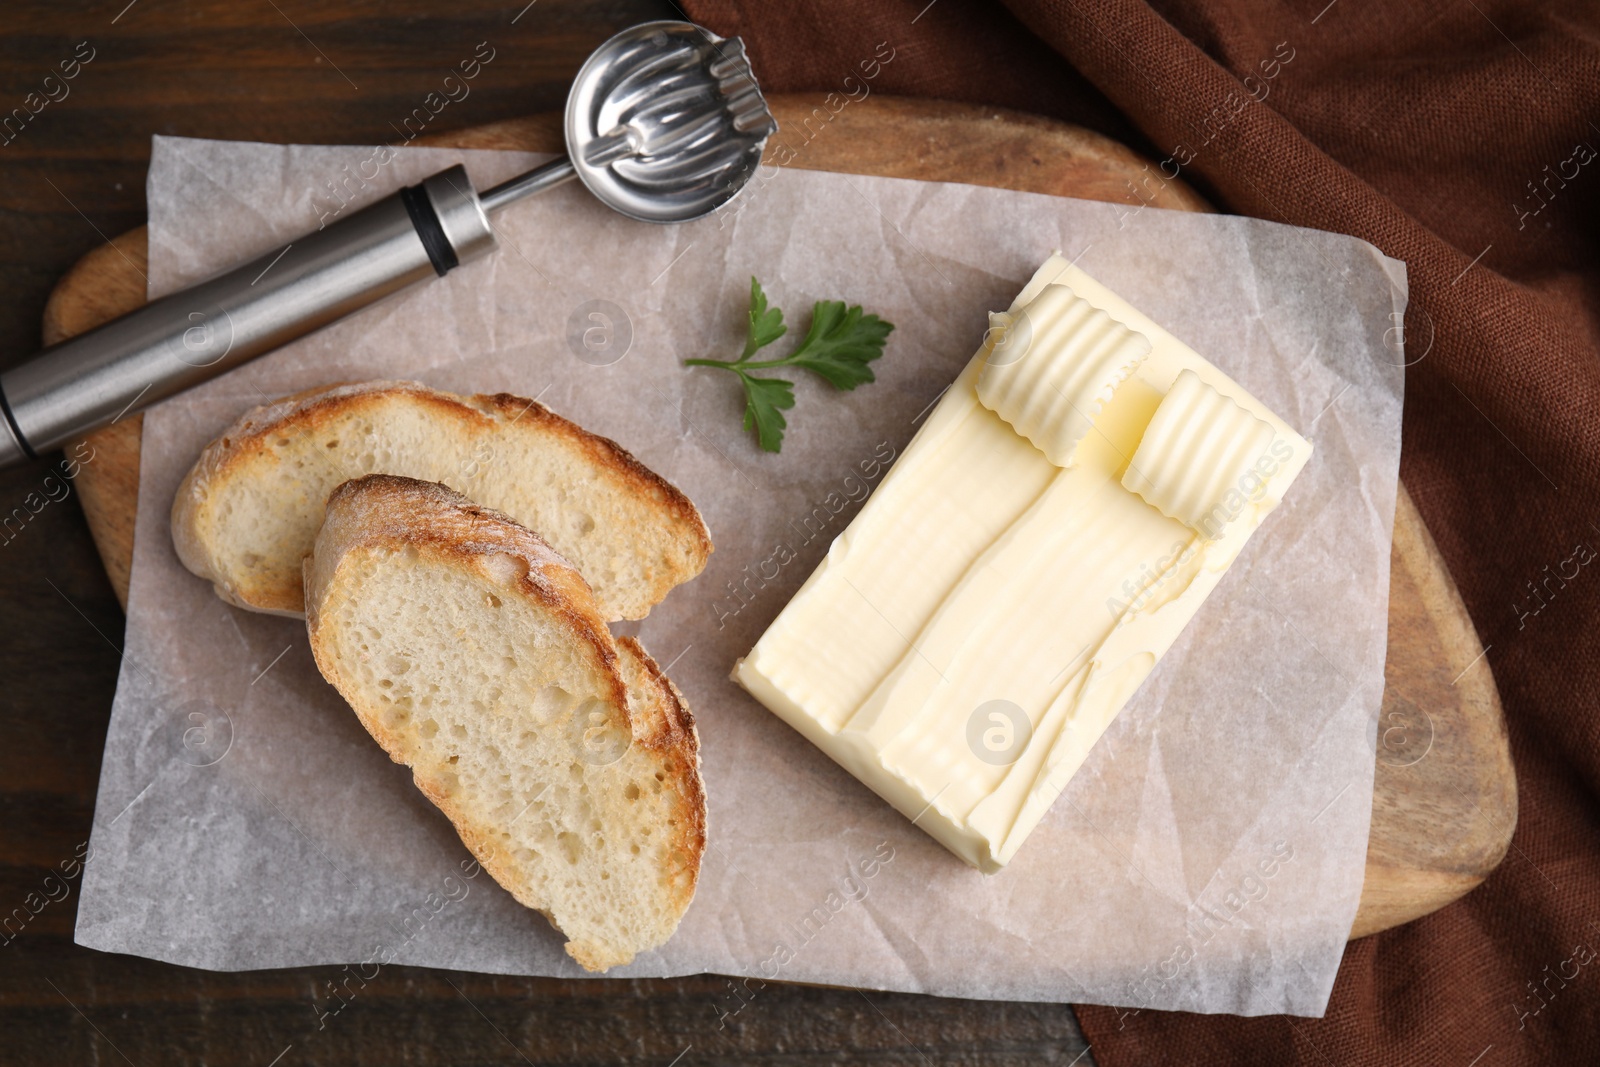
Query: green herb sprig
{"x": 837, "y": 347}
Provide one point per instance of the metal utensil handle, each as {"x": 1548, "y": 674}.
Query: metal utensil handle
{"x": 195, "y": 334}
{"x": 535, "y": 181}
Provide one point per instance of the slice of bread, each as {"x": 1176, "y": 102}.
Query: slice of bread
{"x": 247, "y": 512}
{"x": 474, "y": 654}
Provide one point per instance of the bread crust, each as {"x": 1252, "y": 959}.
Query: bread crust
{"x": 308, "y": 414}
{"x": 677, "y": 742}
{"x": 389, "y": 513}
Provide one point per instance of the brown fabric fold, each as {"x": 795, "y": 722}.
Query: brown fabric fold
{"x": 1462, "y": 137}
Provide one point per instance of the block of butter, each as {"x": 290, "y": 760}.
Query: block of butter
{"x": 1067, "y": 507}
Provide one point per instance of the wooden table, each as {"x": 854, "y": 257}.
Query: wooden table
{"x": 54, "y": 992}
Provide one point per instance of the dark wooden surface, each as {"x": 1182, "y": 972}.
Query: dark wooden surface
{"x": 277, "y": 70}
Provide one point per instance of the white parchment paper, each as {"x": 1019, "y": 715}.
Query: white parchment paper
{"x": 1208, "y": 857}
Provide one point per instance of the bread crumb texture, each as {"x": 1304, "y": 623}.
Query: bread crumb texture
{"x": 476, "y": 655}
{"x": 247, "y": 513}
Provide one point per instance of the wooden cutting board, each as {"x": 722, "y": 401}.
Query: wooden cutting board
{"x": 1444, "y": 798}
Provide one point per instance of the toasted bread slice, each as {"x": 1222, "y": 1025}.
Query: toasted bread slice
{"x": 474, "y": 654}
{"x": 246, "y": 514}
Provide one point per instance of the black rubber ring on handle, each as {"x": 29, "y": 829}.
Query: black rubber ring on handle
{"x": 426, "y": 222}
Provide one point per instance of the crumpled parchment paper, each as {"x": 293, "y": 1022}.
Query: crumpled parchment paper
{"x": 1208, "y": 857}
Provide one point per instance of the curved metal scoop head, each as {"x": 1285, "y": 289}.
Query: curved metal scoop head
{"x": 665, "y": 122}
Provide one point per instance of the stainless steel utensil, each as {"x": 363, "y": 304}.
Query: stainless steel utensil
{"x": 664, "y": 123}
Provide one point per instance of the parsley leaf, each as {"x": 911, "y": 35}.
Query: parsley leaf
{"x": 841, "y": 343}
{"x": 765, "y": 326}
{"x": 838, "y": 347}
{"x": 763, "y": 399}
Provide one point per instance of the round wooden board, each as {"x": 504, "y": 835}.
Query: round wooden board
{"x": 1444, "y": 798}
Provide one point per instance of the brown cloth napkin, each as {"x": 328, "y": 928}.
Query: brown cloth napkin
{"x": 1460, "y": 136}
